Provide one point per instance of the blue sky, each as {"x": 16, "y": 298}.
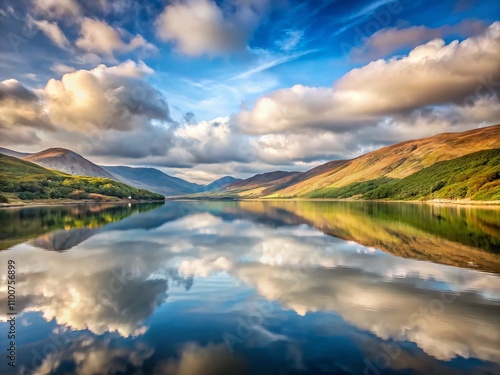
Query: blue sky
{"x": 239, "y": 86}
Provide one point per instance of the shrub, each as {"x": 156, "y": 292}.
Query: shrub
{"x": 26, "y": 195}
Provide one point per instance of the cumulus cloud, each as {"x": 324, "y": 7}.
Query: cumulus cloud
{"x": 386, "y": 41}
{"x": 105, "y": 98}
{"x": 12, "y": 89}
{"x": 199, "y": 27}
{"x": 98, "y": 106}
{"x": 435, "y": 88}
{"x": 21, "y": 113}
{"x": 210, "y": 142}
{"x": 99, "y": 37}
{"x": 431, "y": 74}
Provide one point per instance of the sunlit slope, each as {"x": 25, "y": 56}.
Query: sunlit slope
{"x": 259, "y": 185}
{"x": 67, "y": 161}
{"x": 394, "y": 162}
{"x": 475, "y": 176}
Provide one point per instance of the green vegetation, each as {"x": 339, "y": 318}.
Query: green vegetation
{"x": 29, "y": 181}
{"x": 350, "y": 190}
{"x": 475, "y": 176}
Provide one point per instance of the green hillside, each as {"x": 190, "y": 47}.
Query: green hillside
{"x": 475, "y": 176}
{"x": 27, "y": 181}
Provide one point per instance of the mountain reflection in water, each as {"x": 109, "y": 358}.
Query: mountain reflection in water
{"x": 291, "y": 287}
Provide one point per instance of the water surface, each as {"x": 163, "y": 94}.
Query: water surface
{"x": 253, "y": 288}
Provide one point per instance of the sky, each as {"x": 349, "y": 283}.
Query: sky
{"x": 201, "y": 89}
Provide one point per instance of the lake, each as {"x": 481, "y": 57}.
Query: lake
{"x": 252, "y": 287}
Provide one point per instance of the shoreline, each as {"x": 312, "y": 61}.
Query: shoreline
{"x": 437, "y": 202}
{"x": 445, "y": 202}
{"x": 67, "y": 202}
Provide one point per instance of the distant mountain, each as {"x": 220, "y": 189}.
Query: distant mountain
{"x": 261, "y": 184}
{"x": 67, "y": 161}
{"x": 155, "y": 180}
{"x": 13, "y": 153}
{"x": 220, "y": 183}
{"x": 70, "y": 162}
{"x": 358, "y": 177}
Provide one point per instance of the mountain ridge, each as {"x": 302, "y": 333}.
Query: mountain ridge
{"x": 67, "y": 161}
{"x": 352, "y": 178}
{"x": 395, "y": 161}
{"x": 154, "y": 179}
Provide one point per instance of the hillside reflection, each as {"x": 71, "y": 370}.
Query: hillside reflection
{"x": 61, "y": 227}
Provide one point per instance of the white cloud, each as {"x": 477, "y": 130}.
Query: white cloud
{"x": 21, "y": 113}
{"x": 53, "y": 32}
{"x": 291, "y": 40}
{"x": 209, "y": 142}
{"x": 62, "y": 68}
{"x": 199, "y": 27}
{"x": 436, "y": 88}
{"x": 386, "y": 41}
{"x": 57, "y": 8}
{"x": 431, "y": 74}
{"x": 98, "y": 37}
{"x": 104, "y": 98}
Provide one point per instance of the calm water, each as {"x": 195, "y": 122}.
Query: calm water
{"x": 189, "y": 288}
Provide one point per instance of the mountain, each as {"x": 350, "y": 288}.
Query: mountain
{"x": 220, "y": 183}
{"x": 261, "y": 184}
{"x": 348, "y": 178}
{"x": 474, "y": 176}
{"x": 67, "y": 161}
{"x": 70, "y": 162}
{"x": 155, "y": 180}
{"x": 13, "y": 153}
{"x": 23, "y": 180}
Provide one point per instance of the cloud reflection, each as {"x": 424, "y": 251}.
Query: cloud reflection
{"x": 298, "y": 267}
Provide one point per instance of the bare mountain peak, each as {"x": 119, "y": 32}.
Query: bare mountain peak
{"x": 68, "y": 161}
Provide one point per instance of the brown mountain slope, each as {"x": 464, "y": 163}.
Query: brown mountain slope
{"x": 262, "y": 184}
{"x": 68, "y": 161}
{"x": 396, "y": 161}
